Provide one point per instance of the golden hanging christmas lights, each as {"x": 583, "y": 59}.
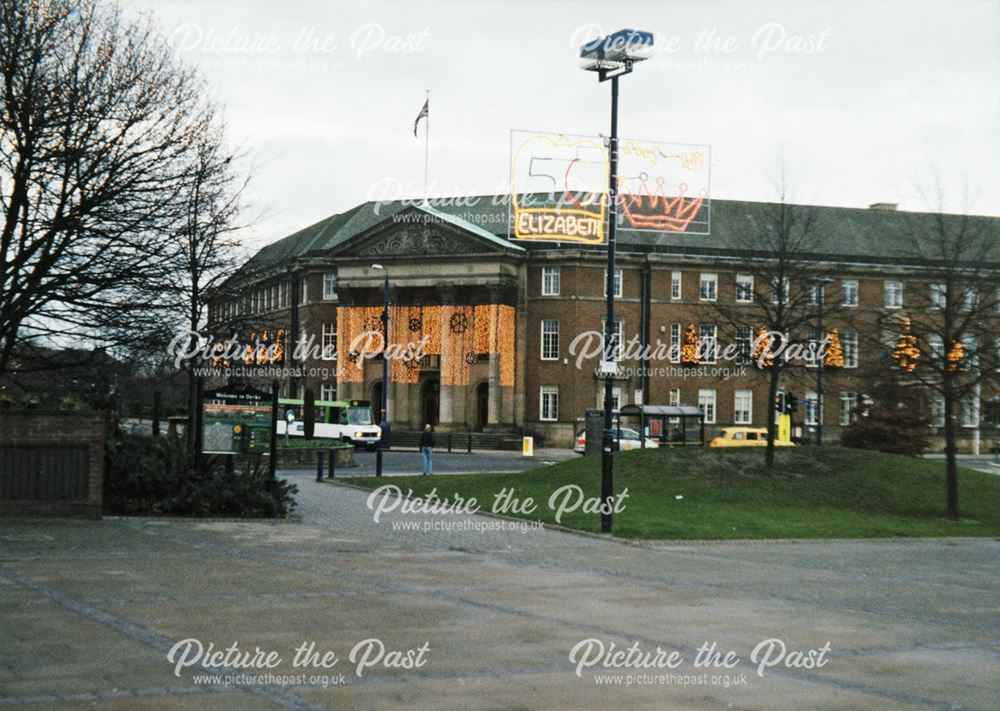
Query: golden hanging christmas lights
{"x": 458, "y": 334}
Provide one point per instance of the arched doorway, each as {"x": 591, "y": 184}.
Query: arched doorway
{"x": 482, "y": 406}
{"x": 430, "y": 401}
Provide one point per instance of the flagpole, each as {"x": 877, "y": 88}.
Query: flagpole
{"x": 427, "y": 141}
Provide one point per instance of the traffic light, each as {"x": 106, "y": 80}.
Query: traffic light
{"x": 779, "y": 401}
{"x": 791, "y": 403}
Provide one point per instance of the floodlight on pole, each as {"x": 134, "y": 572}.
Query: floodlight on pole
{"x": 819, "y": 284}
{"x": 616, "y": 51}
{"x": 611, "y": 57}
{"x": 385, "y": 440}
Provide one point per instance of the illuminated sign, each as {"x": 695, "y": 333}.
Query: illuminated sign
{"x": 559, "y": 187}
{"x": 558, "y": 184}
{"x": 663, "y": 187}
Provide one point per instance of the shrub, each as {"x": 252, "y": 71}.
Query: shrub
{"x": 889, "y": 420}
{"x": 159, "y": 476}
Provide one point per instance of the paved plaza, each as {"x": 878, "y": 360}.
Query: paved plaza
{"x": 90, "y": 611}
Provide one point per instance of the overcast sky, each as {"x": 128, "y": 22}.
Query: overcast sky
{"x": 864, "y": 99}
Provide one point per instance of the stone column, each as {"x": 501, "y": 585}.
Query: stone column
{"x": 346, "y": 390}
{"x": 446, "y": 412}
{"x": 494, "y": 407}
{"x": 390, "y": 399}
{"x": 446, "y": 396}
{"x": 501, "y": 398}
{"x": 353, "y": 391}
{"x": 495, "y": 394}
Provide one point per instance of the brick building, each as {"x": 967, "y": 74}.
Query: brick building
{"x": 500, "y": 316}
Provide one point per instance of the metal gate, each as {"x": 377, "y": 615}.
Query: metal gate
{"x": 44, "y": 473}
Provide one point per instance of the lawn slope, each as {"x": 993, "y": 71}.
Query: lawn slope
{"x": 828, "y": 492}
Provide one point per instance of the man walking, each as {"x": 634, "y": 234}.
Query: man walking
{"x": 426, "y": 449}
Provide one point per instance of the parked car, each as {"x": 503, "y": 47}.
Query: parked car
{"x": 745, "y": 437}
{"x": 136, "y": 429}
{"x": 629, "y": 440}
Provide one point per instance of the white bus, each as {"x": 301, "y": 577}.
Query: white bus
{"x": 345, "y": 420}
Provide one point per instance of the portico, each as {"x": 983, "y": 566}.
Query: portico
{"x": 454, "y": 295}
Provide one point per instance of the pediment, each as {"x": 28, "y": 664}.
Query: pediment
{"x": 416, "y": 233}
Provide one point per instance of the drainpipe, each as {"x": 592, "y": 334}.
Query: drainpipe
{"x": 293, "y": 331}
{"x": 645, "y": 287}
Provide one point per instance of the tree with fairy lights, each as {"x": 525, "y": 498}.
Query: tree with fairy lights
{"x": 689, "y": 350}
{"x": 762, "y": 346}
{"x": 778, "y": 298}
{"x": 834, "y": 357}
{"x": 906, "y": 353}
{"x": 947, "y": 345}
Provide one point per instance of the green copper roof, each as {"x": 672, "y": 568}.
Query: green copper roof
{"x": 841, "y": 233}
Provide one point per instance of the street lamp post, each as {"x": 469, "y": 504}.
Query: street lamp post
{"x": 612, "y": 57}
{"x": 819, "y": 284}
{"x": 385, "y": 441}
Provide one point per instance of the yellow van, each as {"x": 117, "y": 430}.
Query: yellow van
{"x": 745, "y": 437}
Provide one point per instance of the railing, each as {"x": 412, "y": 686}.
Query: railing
{"x": 458, "y": 441}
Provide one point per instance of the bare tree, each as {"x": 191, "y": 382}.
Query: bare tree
{"x": 779, "y": 241}
{"x": 208, "y": 250}
{"x": 947, "y": 340}
{"x": 98, "y": 126}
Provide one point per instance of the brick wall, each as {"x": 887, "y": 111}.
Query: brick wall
{"x": 61, "y": 437}
{"x": 581, "y": 306}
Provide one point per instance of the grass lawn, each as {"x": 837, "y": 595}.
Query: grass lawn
{"x": 828, "y": 492}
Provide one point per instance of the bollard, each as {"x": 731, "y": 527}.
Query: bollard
{"x": 449, "y": 443}
{"x": 333, "y": 463}
{"x": 319, "y": 465}
{"x": 470, "y": 444}
{"x": 528, "y": 447}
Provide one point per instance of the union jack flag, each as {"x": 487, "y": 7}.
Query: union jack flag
{"x": 424, "y": 113}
